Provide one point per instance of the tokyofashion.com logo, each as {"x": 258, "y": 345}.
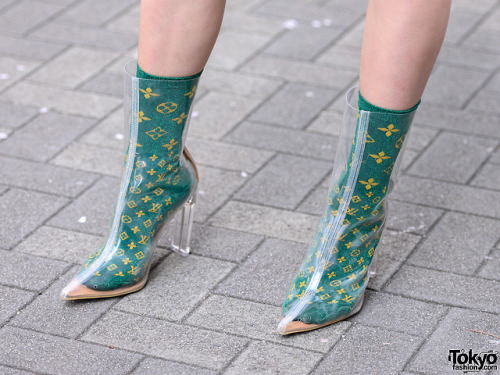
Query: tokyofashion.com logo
{"x": 473, "y": 362}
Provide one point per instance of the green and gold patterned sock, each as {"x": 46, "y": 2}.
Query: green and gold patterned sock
{"x": 350, "y": 229}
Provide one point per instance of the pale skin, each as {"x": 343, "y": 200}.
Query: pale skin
{"x": 176, "y": 37}
{"x": 401, "y": 41}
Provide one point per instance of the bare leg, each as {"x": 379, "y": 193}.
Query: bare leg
{"x": 401, "y": 42}
{"x": 176, "y": 37}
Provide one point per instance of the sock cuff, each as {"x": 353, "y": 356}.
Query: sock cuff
{"x": 365, "y": 105}
{"x": 142, "y": 74}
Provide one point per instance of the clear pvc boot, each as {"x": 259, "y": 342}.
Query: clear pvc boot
{"x": 331, "y": 282}
{"x": 159, "y": 182}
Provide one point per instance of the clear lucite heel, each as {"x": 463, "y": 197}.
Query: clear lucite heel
{"x": 182, "y": 227}
{"x": 372, "y": 272}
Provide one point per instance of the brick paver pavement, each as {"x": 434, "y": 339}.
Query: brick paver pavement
{"x": 264, "y": 131}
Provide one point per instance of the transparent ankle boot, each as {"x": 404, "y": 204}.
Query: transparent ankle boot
{"x": 331, "y": 282}
{"x": 158, "y": 189}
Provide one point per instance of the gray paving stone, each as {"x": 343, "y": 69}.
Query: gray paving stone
{"x": 74, "y": 66}
{"x": 486, "y": 40}
{"x": 353, "y": 37}
{"x": 491, "y": 266}
{"x": 420, "y": 137}
{"x": 284, "y": 182}
{"x": 494, "y": 83}
{"x": 461, "y": 23}
{"x": 234, "y": 47}
{"x": 11, "y": 301}
{"x": 495, "y": 157}
{"x": 267, "y": 221}
{"x": 153, "y": 366}
{"x": 44, "y": 178}
{"x": 93, "y": 37}
{"x": 370, "y": 350}
{"x": 409, "y": 158}
{"x": 92, "y": 211}
{"x": 453, "y": 157}
{"x": 227, "y": 156}
{"x": 266, "y": 358}
{"x": 296, "y": 104}
{"x": 13, "y": 371}
{"x": 32, "y": 49}
{"x": 267, "y": 273}
{"x": 468, "y": 57}
{"x": 14, "y": 69}
{"x": 315, "y": 202}
{"x": 60, "y": 356}
{"x": 399, "y": 314}
{"x": 393, "y": 249}
{"x": 5, "y": 3}
{"x": 49, "y": 314}
{"x": 328, "y": 122}
{"x": 166, "y": 340}
{"x": 338, "y": 13}
{"x": 301, "y": 72}
{"x": 218, "y": 113}
{"x": 411, "y": 218}
{"x": 480, "y": 5}
{"x": 440, "y": 117}
{"x": 221, "y": 243}
{"x": 176, "y": 286}
{"x": 341, "y": 56}
{"x": 455, "y": 333}
{"x": 96, "y": 159}
{"x": 66, "y": 101}
{"x": 104, "y": 83}
{"x": 447, "y": 288}
{"x": 59, "y": 244}
{"x": 303, "y": 42}
{"x": 94, "y": 13}
{"x": 238, "y": 83}
{"x": 118, "y": 66}
{"x": 216, "y": 186}
{"x": 32, "y": 14}
{"x": 458, "y": 243}
{"x": 260, "y": 322}
{"x": 108, "y": 133}
{"x": 485, "y": 101}
{"x": 45, "y": 136}
{"x": 29, "y": 272}
{"x": 445, "y": 195}
{"x": 453, "y": 86}
{"x": 125, "y": 23}
{"x": 284, "y": 140}
{"x": 243, "y": 20}
{"x": 13, "y": 116}
{"x": 23, "y": 211}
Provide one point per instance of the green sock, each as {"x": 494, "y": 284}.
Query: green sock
{"x": 142, "y": 74}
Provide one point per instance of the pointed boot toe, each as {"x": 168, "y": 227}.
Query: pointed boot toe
{"x": 77, "y": 291}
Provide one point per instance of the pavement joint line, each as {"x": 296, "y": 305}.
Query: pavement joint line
{"x": 486, "y": 15}
{"x": 81, "y": 339}
{"x": 346, "y": 32}
{"x": 475, "y": 92}
{"x": 484, "y": 261}
{"x": 444, "y": 314}
{"x": 230, "y": 196}
{"x": 421, "y": 152}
